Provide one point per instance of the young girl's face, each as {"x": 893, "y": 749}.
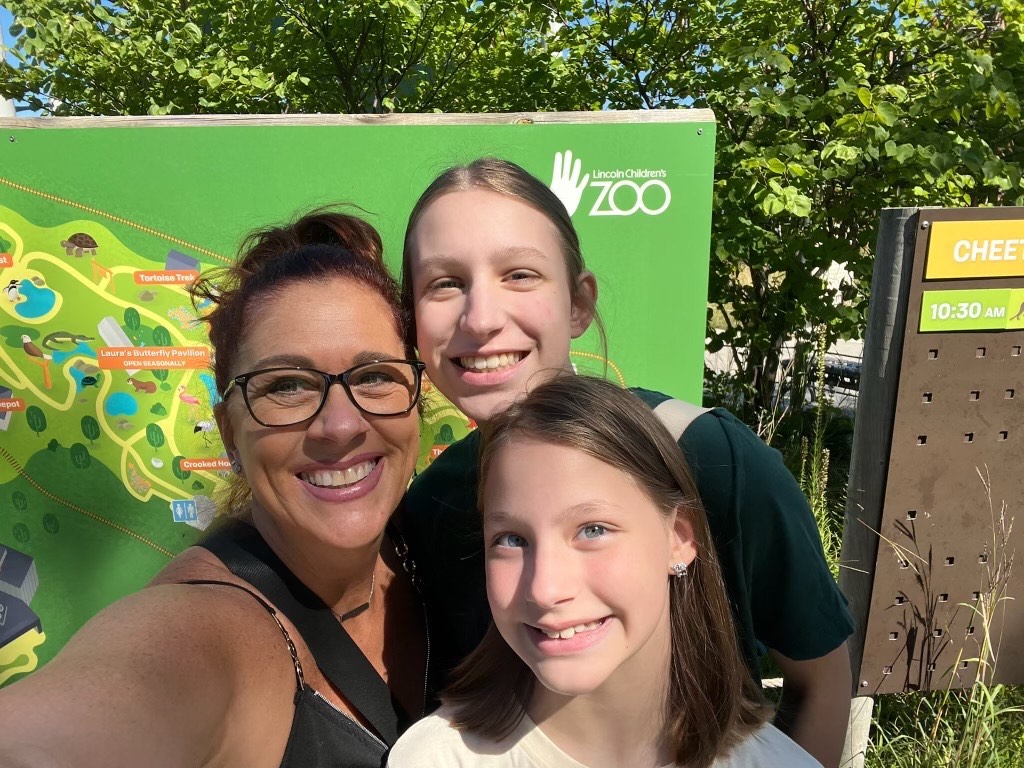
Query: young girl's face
{"x": 492, "y": 299}
{"x": 578, "y": 567}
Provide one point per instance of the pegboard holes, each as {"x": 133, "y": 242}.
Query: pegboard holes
{"x": 1010, "y": 393}
{"x": 944, "y": 597}
{"x": 887, "y": 670}
{"x": 931, "y": 666}
{"x": 911, "y": 514}
{"x": 1003, "y": 434}
{"x": 975, "y": 395}
{"x": 933, "y": 354}
{"x": 968, "y": 437}
{"x": 975, "y": 596}
{"x": 926, "y": 397}
{"x": 963, "y": 664}
{"x": 922, "y": 439}
{"x": 980, "y": 352}
{"x": 900, "y": 599}
{"x": 894, "y": 635}
{"x": 970, "y": 630}
{"x": 950, "y": 560}
{"x": 936, "y": 632}
{"x": 983, "y": 558}
{"x": 1015, "y": 350}
{"x": 904, "y": 564}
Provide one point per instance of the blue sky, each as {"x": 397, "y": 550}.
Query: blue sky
{"x": 5, "y": 24}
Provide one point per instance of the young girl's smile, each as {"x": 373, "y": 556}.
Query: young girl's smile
{"x": 578, "y": 569}
{"x": 492, "y": 299}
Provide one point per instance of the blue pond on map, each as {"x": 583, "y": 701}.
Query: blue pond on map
{"x": 121, "y": 404}
{"x": 38, "y": 301}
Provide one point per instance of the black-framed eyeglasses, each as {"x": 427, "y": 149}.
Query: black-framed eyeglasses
{"x": 281, "y": 397}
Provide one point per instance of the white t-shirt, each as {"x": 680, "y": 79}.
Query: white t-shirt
{"x": 432, "y": 742}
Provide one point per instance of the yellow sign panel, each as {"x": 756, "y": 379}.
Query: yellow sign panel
{"x": 964, "y": 249}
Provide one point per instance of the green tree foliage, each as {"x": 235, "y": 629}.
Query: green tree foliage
{"x": 154, "y": 435}
{"x": 90, "y": 428}
{"x": 826, "y": 111}
{"x": 179, "y": 471}
{"x": 36, "y": 419}
{"x": 80, "y": 456}
{"x": 158, "y": 409}
{"x": 222, "y": 56}
{"x": 445, "y": 435}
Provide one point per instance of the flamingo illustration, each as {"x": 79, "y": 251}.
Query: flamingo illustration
{"x": 185, "y": 397}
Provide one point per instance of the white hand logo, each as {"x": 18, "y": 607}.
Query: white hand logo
{"x": 565, "y": 181}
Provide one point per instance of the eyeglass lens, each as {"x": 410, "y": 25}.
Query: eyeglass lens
{"x": 288, "y": 396}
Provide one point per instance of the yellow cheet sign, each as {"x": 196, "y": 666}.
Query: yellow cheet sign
{"x": 965, "y": 249}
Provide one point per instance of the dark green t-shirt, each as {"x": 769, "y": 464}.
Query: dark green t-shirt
{"x": 782, "y": 593}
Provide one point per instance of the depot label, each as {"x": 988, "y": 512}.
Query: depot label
{"x": 12, "y": 404}
{"x": 6, "y": 260}
{"x": 143, "y": 358}
{"x": 965, "y": 249}
{"x": 991, "y": 309}
{"x": 166, "y": 276}
{"x": 205, "y": 465}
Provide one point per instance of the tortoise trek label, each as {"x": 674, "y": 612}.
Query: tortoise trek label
{"x": 609, "y": 191}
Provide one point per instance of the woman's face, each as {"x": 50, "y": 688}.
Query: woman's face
{"x": 492, "y": 299}
{"x": 339, "y": 476}
{"x": 578, "y": 566}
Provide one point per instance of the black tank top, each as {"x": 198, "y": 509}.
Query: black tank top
{"x": 321, "y": 735}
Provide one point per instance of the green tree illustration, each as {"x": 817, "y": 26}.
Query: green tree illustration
{"x": 90, "y": 428}
{"x": 50, "y": 523}
{"x": 19, "y": 501}
{"x": 36, "y": 419}
{"x": 132, "y": 320}
{"x": 155, "y": 435}
{"x": 179, "y": 471}
{"x": 161, "y": 338}
{"x": 80, "y": 456}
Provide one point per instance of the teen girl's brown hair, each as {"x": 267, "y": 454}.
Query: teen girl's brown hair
{"x": 505, "y": 178}
{"x": 712, "y": 701}
{"x": 316, "y": 247}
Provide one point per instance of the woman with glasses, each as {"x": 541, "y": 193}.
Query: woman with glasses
{"x": 294, "y": 635}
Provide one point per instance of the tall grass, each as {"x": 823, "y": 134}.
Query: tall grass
{"x": 978, "y": 726}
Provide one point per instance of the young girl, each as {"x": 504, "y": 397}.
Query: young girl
{"x": 494, "y": 272}
{"x": 614, "y": 643}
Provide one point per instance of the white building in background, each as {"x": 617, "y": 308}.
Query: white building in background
{"x": 6, "y": 105}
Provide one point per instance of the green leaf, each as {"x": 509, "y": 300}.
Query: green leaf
{"x": 192, "y": 32}
{"x": 180, "y": 65}
{"x": 800, "y": 206}
{"x": 886, "y": 112}
{"x": 864, "y": 95}
{"x": 776, "y": 166}
{"x": 213, "y": 80}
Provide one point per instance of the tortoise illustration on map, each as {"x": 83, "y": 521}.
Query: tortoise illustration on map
{"x": 79, "y": 244}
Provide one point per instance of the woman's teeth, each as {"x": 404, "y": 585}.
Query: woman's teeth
{"x": 569, "y": 632}
{"x": 338, "y": 478}
{"x": 491, "y": 362}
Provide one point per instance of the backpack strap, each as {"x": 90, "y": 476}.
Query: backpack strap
{"x": 241, "y": 548}
{"x": 677, "y": 415}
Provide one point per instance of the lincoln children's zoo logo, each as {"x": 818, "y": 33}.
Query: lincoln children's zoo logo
{"x": 619, "y": 191}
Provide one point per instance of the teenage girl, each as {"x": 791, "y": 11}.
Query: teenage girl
{"x": 494, "y": 274}
{"x": 614, "y": 642}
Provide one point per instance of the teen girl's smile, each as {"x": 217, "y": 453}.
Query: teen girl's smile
{"x": 492, "y": 299}
{"x": 577, "y": 570}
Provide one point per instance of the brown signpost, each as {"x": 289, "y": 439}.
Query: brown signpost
{"x": 938, "y": 466}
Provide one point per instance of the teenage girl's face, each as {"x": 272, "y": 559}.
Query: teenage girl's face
{"x": 494, "y": 312}
{"x": 578, "y": 568}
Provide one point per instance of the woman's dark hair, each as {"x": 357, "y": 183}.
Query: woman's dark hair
{"x": 505, "y": 178}
{"x": 712, "y": 702}
{"x": 316, "y": 247}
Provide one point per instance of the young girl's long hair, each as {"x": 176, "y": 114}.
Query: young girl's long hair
{"x": 712, "y": 701}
